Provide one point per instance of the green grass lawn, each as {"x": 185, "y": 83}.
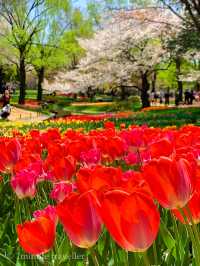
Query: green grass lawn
{"x": 87, "y": 109}
{"x": 95, "y": 109}
{"x": 30, "y": 94}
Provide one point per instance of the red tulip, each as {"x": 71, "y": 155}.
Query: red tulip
{"x": 37, "y": 237}
{"x": 115, "y": 147}
{"x": 10, "y": 153}
{"x": 4, "y": 156}
{"x": 77, "y": 146}
{"x": 131, "y": 219}
{"x": 171, "y": 181}
{"x": 132, "y": 180}
{"x": 14, "y": 151}
{"x": 63, "y": 168}
{"x": 109, "y": 124}
{"x": 50, "y": 135}
{"x": 98, "y": 178}
{"x": 193, "y": 208}
{"x": 81, "y": 222}
{"x": 161, "y": 147}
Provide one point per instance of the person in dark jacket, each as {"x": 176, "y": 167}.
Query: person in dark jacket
{"x": 6, "y": 98}
{"x": 191, "y": 97}
{"x": 187, "y": 97}
{"x": 167, "y": 95}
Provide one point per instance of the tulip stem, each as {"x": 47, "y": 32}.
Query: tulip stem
{"x": 127, "y": 262}
{"x": 155, "y": 253}
{"x": 195, "y": 232}
{"x": 192, "y": 232}
{"x": 193, "y": 225}
{"x": 177, "y": 237}
{"x": 94, "y": 257}
{"x": 114, "y": 252}
{"x": 145, "y": 258}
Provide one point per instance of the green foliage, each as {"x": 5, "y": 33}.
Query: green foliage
{"x": 186, "y": 40}
{"x": 168, "y": 78}
{"x": 45, "y": 34}
{"x": 57, "y": 45}
{"x": 93, "y": 9}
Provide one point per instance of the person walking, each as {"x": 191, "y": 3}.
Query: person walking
{"x": 167, "y": 94}
{"x": 177, "y": 98}
{"x": 6, "y": 97}
{"x": 5, "y": 100}
{"x": 187, "y": 97}
{"x": 161, "y": 96}
{"x": 191, "y": 97}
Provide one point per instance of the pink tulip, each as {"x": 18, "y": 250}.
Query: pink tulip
{"x": 62, "y": 190}
{"x": 49, "y": 212}
{"x": 91, "y": 157}
{"x": 24, "y": 184}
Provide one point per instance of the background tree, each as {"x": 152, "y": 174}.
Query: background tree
{"x": 135, "y": 49}
{"x": 56, "y": 46}
{"x": 187, "y": 10}
{"x": 24, "y": 20}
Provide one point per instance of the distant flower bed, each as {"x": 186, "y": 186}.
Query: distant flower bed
{"x": 152, "y": 108}
{"x": 97, "y": 117}
{"x": 31, "y": 103}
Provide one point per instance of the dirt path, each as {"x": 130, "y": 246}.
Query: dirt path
{"x": 18, "y": 114}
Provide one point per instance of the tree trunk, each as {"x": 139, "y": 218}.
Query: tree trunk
{"x": 123, "y": 92}
{"x": 144, "y": 91}
{"x": 153, "y": 83}
{"x": 179, "y": 82}
{"x": 197, "y": 87}
{"x": 40, "y": 74}
{"x": 22, "y": 78}
{"x": 1, "y": 79}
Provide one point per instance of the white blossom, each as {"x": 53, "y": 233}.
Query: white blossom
{"x": 128, "y": 43}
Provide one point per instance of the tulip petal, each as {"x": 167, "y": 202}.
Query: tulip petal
{"x": 37, "y": 237}
{"x": 132, "y": 219}
{"x": 79, "y": 217}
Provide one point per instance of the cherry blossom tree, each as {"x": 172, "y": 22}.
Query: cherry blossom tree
{"x": 129, "y": 46}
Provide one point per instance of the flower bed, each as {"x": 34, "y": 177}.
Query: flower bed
{"x": 110, "y": 196}
{"x": 97, "y": 117}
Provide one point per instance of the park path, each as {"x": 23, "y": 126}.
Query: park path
{"x": 19, "y": 114}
